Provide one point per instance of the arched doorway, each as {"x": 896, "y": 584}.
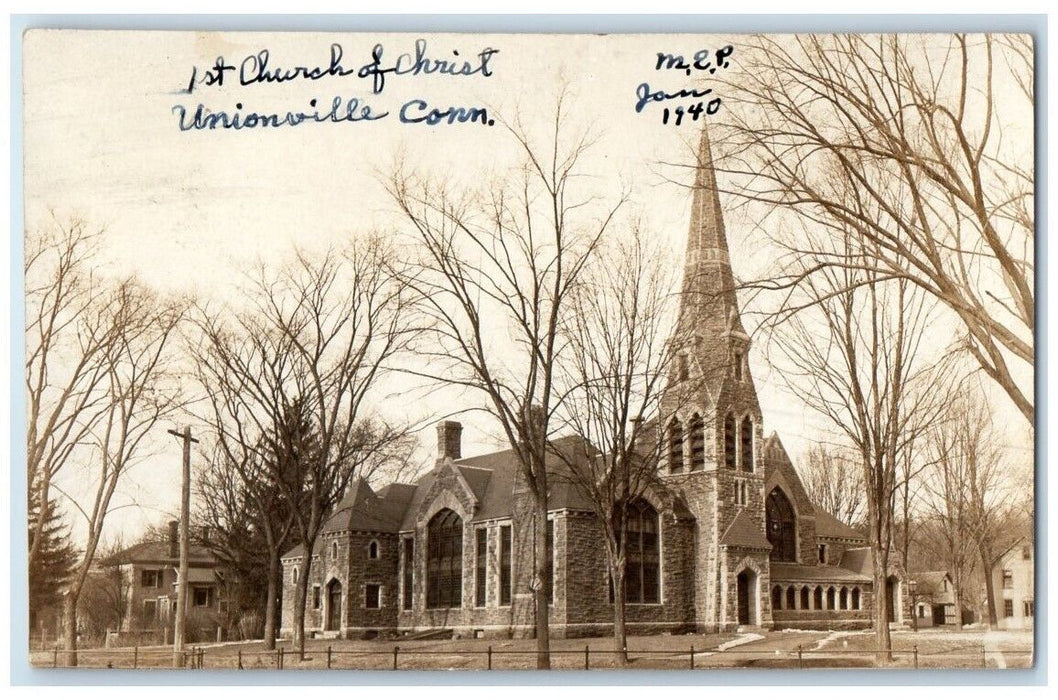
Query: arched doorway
{"x": 334, "y": 605}
{"x": 746, "y": 595}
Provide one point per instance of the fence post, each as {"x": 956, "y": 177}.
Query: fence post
{"x": 490, "y": 657}
{"x": 328, "y": 657}
{"x": 984, "y": 656}
{"x": 800, "y": 657}
{"x": 136, "y": 656}
{"x": 201, "y": 657}
{"x": 915, "y": 651}
{"x": 692, "y": 657}
{"x": 240, "y": 659}
{"x": 55, "y": 658}
{"x": 396, "y": 650}
{"x": 279, "y": 658}
{"x": 586, "y": 657}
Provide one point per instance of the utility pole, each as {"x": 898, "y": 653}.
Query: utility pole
{"x": 179, "y": 624}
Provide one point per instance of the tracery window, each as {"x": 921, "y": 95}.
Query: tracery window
{"x": 444, "y": 560}
{"x": 782, "y": 526}
{"x": 643, "y": 554}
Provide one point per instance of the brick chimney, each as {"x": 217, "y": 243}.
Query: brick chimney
{"x": 174, "y": 538}
{"x": 449, "y": 439}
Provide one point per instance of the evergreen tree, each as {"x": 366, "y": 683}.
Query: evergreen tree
{"x": 51, "y": 571}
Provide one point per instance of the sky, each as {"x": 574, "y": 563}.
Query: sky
{"x": 190, "y": 210}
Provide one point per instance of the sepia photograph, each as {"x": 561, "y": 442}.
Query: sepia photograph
{"x": 493, "y": 352}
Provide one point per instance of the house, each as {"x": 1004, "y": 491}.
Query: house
{"x": 150, "y": 572}
{"x": 934, "y": 599}
{"x": 1013, "y": 586}
{"x": 726, "y": 538}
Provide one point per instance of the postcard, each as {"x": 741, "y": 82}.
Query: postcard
{"x": 525, "y": 351}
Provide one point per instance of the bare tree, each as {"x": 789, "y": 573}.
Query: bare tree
{"x": 834, "y": 481}
{"x": 852, "y": 355}
{"x": 976, "y": 503}
{"x": 70, "y": 339}
{"x": 620, "y": 357}
{"x": 503, "y": 262}
{"x": 914, "y": 147}
{"x": 291, "y": 378}
{"x": 139, "y": 391}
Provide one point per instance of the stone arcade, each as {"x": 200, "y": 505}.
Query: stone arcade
{"x": 728, "y": 539}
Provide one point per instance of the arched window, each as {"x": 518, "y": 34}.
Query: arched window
{"x": 782, "y": 528}
{"x": 675, "y": 446}
{"x": 805, "y": 598}
{"x": 830, "y": 599}
{"x": 729, "y": 441}
{"x": 372, "y": 550}
{"x": 856, "y": 598}
{"x": 294, "y": 575}
{"x": 697, "y": 431}
{"x": 843, "y": 598}
{"x": 818, "y": 596}
{"x": 776, "y": 598}
{"x": 444, "y": 560}
{"x": 643, "y": 563}
{"x": 791, "y": 598}
{"x": 334, "y": 550}
{"x": 747, "y": 444}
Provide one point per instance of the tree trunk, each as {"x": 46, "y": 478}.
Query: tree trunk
{"x": 543, "y": 617}
{"x": 620, "y": 634}
{"x": 274, "y": 573}
{"x": 69, "y": 630}
{"x": 300, "y": 596}
{"x": 882, "y": 638}
{"x": 990, "y": 587}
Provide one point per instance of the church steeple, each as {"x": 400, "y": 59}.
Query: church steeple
{"x": 709, "y": 305}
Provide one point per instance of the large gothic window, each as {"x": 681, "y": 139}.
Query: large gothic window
{"x": 747, "y": 444}
{"x": 643, "y": 554}
{"x": 782, "y": 527}
{"x": 675, "y": 446}
{"x": 697, "y": 431}
{"x": 729, "y": 441}
{"x": 444, "y": 560}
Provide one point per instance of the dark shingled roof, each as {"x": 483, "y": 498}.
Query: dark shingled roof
{"x": 363, "y": 509}
{"x": 743, "y": 532}
{"x": 158, "y": 553}
{"x": 859, "y": 560}
{"x": 785, "y": 571}
{"x": 829, "y": 526}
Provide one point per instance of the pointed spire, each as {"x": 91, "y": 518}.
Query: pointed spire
{"x": 709, "y": 301}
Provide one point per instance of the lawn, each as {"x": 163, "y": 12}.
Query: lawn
{"x": 935, "y": 649}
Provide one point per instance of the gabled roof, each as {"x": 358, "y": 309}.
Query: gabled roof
{"x": 363, "y": 509}
{"x": 744, "y": 532}
{"x": 828, "y": 526}
{"x": 492, "y": 479}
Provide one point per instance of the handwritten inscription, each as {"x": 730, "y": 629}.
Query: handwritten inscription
{"x": 261, "y": 68}
{"x": 693, "y": 101}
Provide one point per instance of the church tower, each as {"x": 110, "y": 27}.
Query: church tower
{"x": 712, "y": 423}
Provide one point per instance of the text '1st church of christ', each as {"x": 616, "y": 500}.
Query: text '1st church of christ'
{"x": 727, "y": 538}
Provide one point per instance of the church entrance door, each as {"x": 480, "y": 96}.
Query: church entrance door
{"x": 334, "y": 605}
{"x": 746, "y": 583}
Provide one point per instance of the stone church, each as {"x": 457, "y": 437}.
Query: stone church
{"x": 727, "y": 539}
